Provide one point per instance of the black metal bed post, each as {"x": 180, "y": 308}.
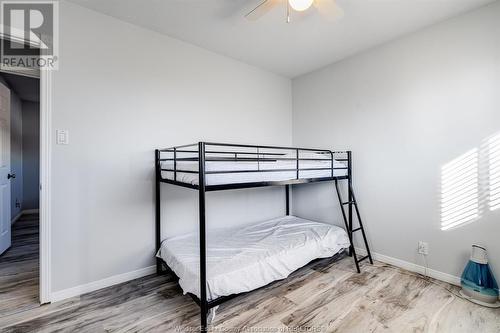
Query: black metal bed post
{"x": 157, "y": 208}
{"x": 349, "y": 186}
{"x": 203, "y": 254}
{"x": 287, "y": 193}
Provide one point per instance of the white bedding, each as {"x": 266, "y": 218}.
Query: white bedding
{"x": 247, "y": 177}
{"x": 246, "y": 258}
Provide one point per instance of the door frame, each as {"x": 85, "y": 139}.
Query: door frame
{"x": 46, "y": 105}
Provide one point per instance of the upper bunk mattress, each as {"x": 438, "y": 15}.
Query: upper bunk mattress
{"x": 260, "y": 175}
{"x": 246, "y": 258}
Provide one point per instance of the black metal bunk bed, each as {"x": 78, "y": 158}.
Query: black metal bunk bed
{"x": 291, "y": 173}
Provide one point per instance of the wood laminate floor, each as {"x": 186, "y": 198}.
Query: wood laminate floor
{"x": 19, "y": 269}
{"x": 325, "y": 296}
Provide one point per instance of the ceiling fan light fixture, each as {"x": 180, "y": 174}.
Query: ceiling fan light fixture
{"x": 300, "y": 5}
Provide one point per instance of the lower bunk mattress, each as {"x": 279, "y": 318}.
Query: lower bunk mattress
{"x": 246, "y": 258}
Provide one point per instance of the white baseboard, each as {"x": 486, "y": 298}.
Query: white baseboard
{"x": 116, "y": 279}
{"x": 409, "y": 266}
{"x": 107, "y": 282}
{"x": 21, "y": 213}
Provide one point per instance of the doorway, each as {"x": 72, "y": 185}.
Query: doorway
{"x": 45, "y": 211}
{"x": 19, "y": 221}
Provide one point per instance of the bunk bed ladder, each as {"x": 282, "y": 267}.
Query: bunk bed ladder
{"x": 349, "y": 225}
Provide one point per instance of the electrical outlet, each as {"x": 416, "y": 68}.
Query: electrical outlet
{"x": 423, "y": 248}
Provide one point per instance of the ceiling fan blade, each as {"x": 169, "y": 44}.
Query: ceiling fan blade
{"x": 262, "y": 9}
{"x": 329, "y": 9}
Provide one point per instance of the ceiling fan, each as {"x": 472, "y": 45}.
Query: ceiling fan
{"x": 326, "y": 8}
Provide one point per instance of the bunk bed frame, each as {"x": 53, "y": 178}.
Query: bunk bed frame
{"x": 198, "y": 153}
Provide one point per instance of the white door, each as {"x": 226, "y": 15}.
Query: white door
{"x": 4, "y": 168}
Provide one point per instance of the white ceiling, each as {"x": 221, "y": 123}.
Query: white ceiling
{"x": 308, "y": 43}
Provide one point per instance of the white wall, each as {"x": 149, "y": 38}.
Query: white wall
{"x": 406, "y": 109}
{"x": 123, "y": 91}
{"x": 31, "y": 154}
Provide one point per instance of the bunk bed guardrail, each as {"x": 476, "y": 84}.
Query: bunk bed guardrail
{"x": 257, "y": 159}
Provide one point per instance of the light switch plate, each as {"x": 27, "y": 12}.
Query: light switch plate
{"x": 62, "y": 137}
